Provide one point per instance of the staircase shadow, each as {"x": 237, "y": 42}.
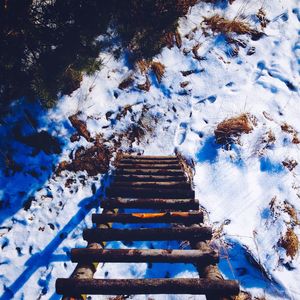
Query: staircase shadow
{"x": 45, "y": 257}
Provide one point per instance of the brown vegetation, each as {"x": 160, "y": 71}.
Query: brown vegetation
{"x": 232, "y": 128}
{"x": 289, "y": 129}
{"x": 172, "y": 38}
{"x": 143, "y": 65}
{"x": 158, "y": 69}
{"x": 219, "y": 24}
{"x": 290, "y": 243}
{"x": 261, "y": 15}
{"x": 145, "y": 86}
{"x": 93, "y": 160}
{"x": 127, "y": 82}
{"x": 80, "y": 126}
{"x": 290, "y": 164}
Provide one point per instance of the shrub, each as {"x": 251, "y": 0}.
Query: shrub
{"x": 232, "y": 128}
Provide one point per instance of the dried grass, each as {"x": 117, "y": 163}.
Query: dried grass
{"x": 127, "y": 82}
{"x": 158, "y": 69}
{"x": 243, "y": 296}
{"x": 290, "y": 243}
{"x": 145, "y": 86}
{"x": 232, "y": 128}
{"x": 290, "y": 164}
{"x": 219, "y": 24}
{"x": 93, "y": 160}
{"x": 261, "y": 15}
{"x": 291, "y": 130}
{"x": 143, "y": 65}
{"x": 80, "y": 126}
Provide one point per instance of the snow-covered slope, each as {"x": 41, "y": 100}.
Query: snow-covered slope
{"x": 252, "y": 199}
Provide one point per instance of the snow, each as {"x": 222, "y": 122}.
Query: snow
{"x": 234, "y": 186}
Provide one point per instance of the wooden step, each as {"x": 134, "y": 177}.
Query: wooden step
{"x": 150, "y": 166}
{"x": 192, "y": 286}
{"x": 158, "y": 171}
{"x": 169, "y": 217}
{"x": 84, "y": 255}
{"x": 149, "y": 161}
{"x": 147, "y": 234}
{"x": 152, "y": 184}
{"x": 135, "y": 192}
{"x": 160, "y": 178}
{"x": 150, "y": 157}
{"x": 151, "y": 203}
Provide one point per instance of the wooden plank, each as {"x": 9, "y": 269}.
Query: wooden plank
{"x": 147, "y": 234}
{"x": 149, "y": 192}
{"x": 161, "y": 178}
{"x": 149, "y": 161}
{"x": 150, "y": 166}
{"x": 144, "y": 255}
{"x": 154, "y": 157}
{"x": 192, "y": 286}
{"x": 152, "y": 184}
{"x": 157, "y": 171}
{"x": 168, "y": 217}
{"x": 151, "y": 203}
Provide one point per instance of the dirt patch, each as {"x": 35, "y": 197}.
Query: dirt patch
{"x": 93, "y": 160}
{"x": 231, "y": 129}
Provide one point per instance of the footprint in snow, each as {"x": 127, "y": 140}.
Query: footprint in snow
{"x": 181, "y": 133}
{"x": 274, "y": 73}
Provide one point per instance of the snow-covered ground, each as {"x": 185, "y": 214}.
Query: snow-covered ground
{"x": 251, "y": 198}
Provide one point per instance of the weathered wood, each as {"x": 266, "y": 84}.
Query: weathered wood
{"x": 157, "y": 171}
{"x": 161, "y": 178}
{"x": 152, "y": 157}
{"x": 209, "y": 272}
{"x": 151, "y": 203}
{"x": 152, "y": 184}
{"x": 147, "y": 234}
{"x": 134, "y": 192}
{"x": 168, "y": 217}
{"x": 150, "y": 166}
{"x": 149, "y": 161}
{"x": 192, "y": 286}
{"x": 144, "y": 255}
{"x": 86, "y": 270}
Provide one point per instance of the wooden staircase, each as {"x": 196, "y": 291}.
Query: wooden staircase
{"x": 158, "y": 183}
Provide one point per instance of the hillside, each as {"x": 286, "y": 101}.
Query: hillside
{"x": 224, "y": 94}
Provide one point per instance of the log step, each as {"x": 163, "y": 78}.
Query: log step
{"x": 161, "y": 178}
{"x": 147, "y": 234}
{"x": 151, "y": 203}
{"x": 152, "y": 184}
{"x": 150, "y": 166}
{"x": 149, "y": 161}
{"x": 169, "y": 217}
{"x": 158, "y": 171}
{"x": 151, "y": 157}
{"x": 83, "y": 255}
{"x": 135, "y": 192}
{"x": 192, "y": 286}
